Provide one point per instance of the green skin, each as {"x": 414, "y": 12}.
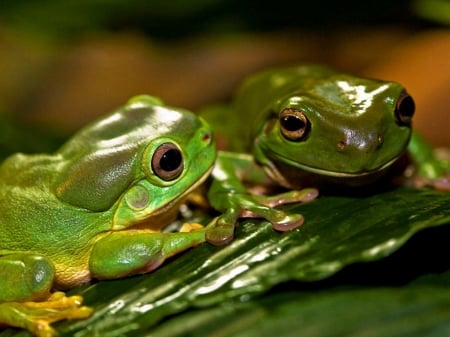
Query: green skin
{"x": 357, "y": 128}
{"x": 96, "y": 207}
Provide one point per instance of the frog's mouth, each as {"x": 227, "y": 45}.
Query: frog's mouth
{"x": 282, "y": 172}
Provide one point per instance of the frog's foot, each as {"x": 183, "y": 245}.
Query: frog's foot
{"x": 442, "y": 184}
{"x": 432, "y": 173}
{"x": 220, "y": 232}
{"x": 37, "y": 317}
{"x": 190, "y": 227}
{"x": 418, "y": 181}
{"x": 221, "y": 229}
{"x": 290, "y": 197}
{"x": 280, "y": 220}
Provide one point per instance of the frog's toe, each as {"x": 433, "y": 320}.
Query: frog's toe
{"x": 38, "y": 316}
{"x": 442, "y": 184}
{"x": 42, "y": 329}
{"x": 290, "y": 197}
{"x": 58, "y": 301}
{"x": 307, "y": 194}
{"x": 296, "y": 196}
{"x": 418, "y": 181}
{"x": 288, "y": 222}
{"x": 219, "y": 233}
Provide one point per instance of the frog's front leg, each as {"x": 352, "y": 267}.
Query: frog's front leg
{"x": 428, "y": 168}
{"x": 131, "y": 252}
{"x": 25, "y": 299}
{"x": 229, "y": 195}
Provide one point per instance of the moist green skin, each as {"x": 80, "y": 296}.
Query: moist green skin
{"x": 353, "y": 127}
{"x": 354, "y": 136}
{"x": 95, "y": 207}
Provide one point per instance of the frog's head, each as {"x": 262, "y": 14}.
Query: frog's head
{"x": 137, "y": 162}
{"x": 340, "y": 126}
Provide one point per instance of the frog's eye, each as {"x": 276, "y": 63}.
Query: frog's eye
{"x": 167, "y": 161}
{"x": 404, "y": 109}
{"x": 294, "y": 124}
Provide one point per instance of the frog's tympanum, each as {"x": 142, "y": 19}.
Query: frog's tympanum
{"x": 309, "y": 126}
{"x": 95, "y": 208}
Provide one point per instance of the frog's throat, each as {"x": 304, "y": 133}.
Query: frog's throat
{"x": 275, "y": 173}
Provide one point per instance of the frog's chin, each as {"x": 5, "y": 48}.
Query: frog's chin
{"x": 292, "y": 174}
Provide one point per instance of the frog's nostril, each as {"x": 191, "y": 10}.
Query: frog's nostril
{"x": 342, "y": 144}
{"x": 380, "y": 140}
{"x": 360, "y": 143}
{"x": 207, "y": 137}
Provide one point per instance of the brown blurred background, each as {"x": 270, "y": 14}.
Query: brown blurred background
{"x": 63, "y": 64}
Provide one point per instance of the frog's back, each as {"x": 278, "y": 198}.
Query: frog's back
{"x": 23, "y": 183}
{"x": 23, "y": 170}
{"x": 29, "y": 209}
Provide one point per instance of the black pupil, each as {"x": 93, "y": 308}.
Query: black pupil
{"x": 292, "y": 123}
{"x": 407, "y": 107}
{"x": 170, "y": 160}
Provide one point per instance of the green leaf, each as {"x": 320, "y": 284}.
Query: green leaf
{"x": 272, "y": 281}
{"x": 414, "y": 310}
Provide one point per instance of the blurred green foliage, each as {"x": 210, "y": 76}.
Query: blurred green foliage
{"x": 18, "y": 136}
{"x": 434, "y": 10}
{"x": 177, "y": 18}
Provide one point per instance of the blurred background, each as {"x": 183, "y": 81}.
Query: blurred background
{"x": 63, "y": 63}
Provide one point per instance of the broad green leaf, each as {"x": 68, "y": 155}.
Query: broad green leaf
{"x": 339, "y": 232}
{"x": 416, "y": 309}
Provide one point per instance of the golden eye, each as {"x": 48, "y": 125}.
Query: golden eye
{"x": 167, "y": 161}
{"x": 294, "y": 124}
{"x": 404, "y": 109}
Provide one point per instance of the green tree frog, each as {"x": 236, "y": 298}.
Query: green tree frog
{"x": 96, "y": 207}
{"x": 305, "y": 126}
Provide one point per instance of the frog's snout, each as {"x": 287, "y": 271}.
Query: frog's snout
{"x": 357, "y": 144}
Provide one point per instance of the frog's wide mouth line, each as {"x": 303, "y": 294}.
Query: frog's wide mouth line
{"x": 329, "y": 173}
